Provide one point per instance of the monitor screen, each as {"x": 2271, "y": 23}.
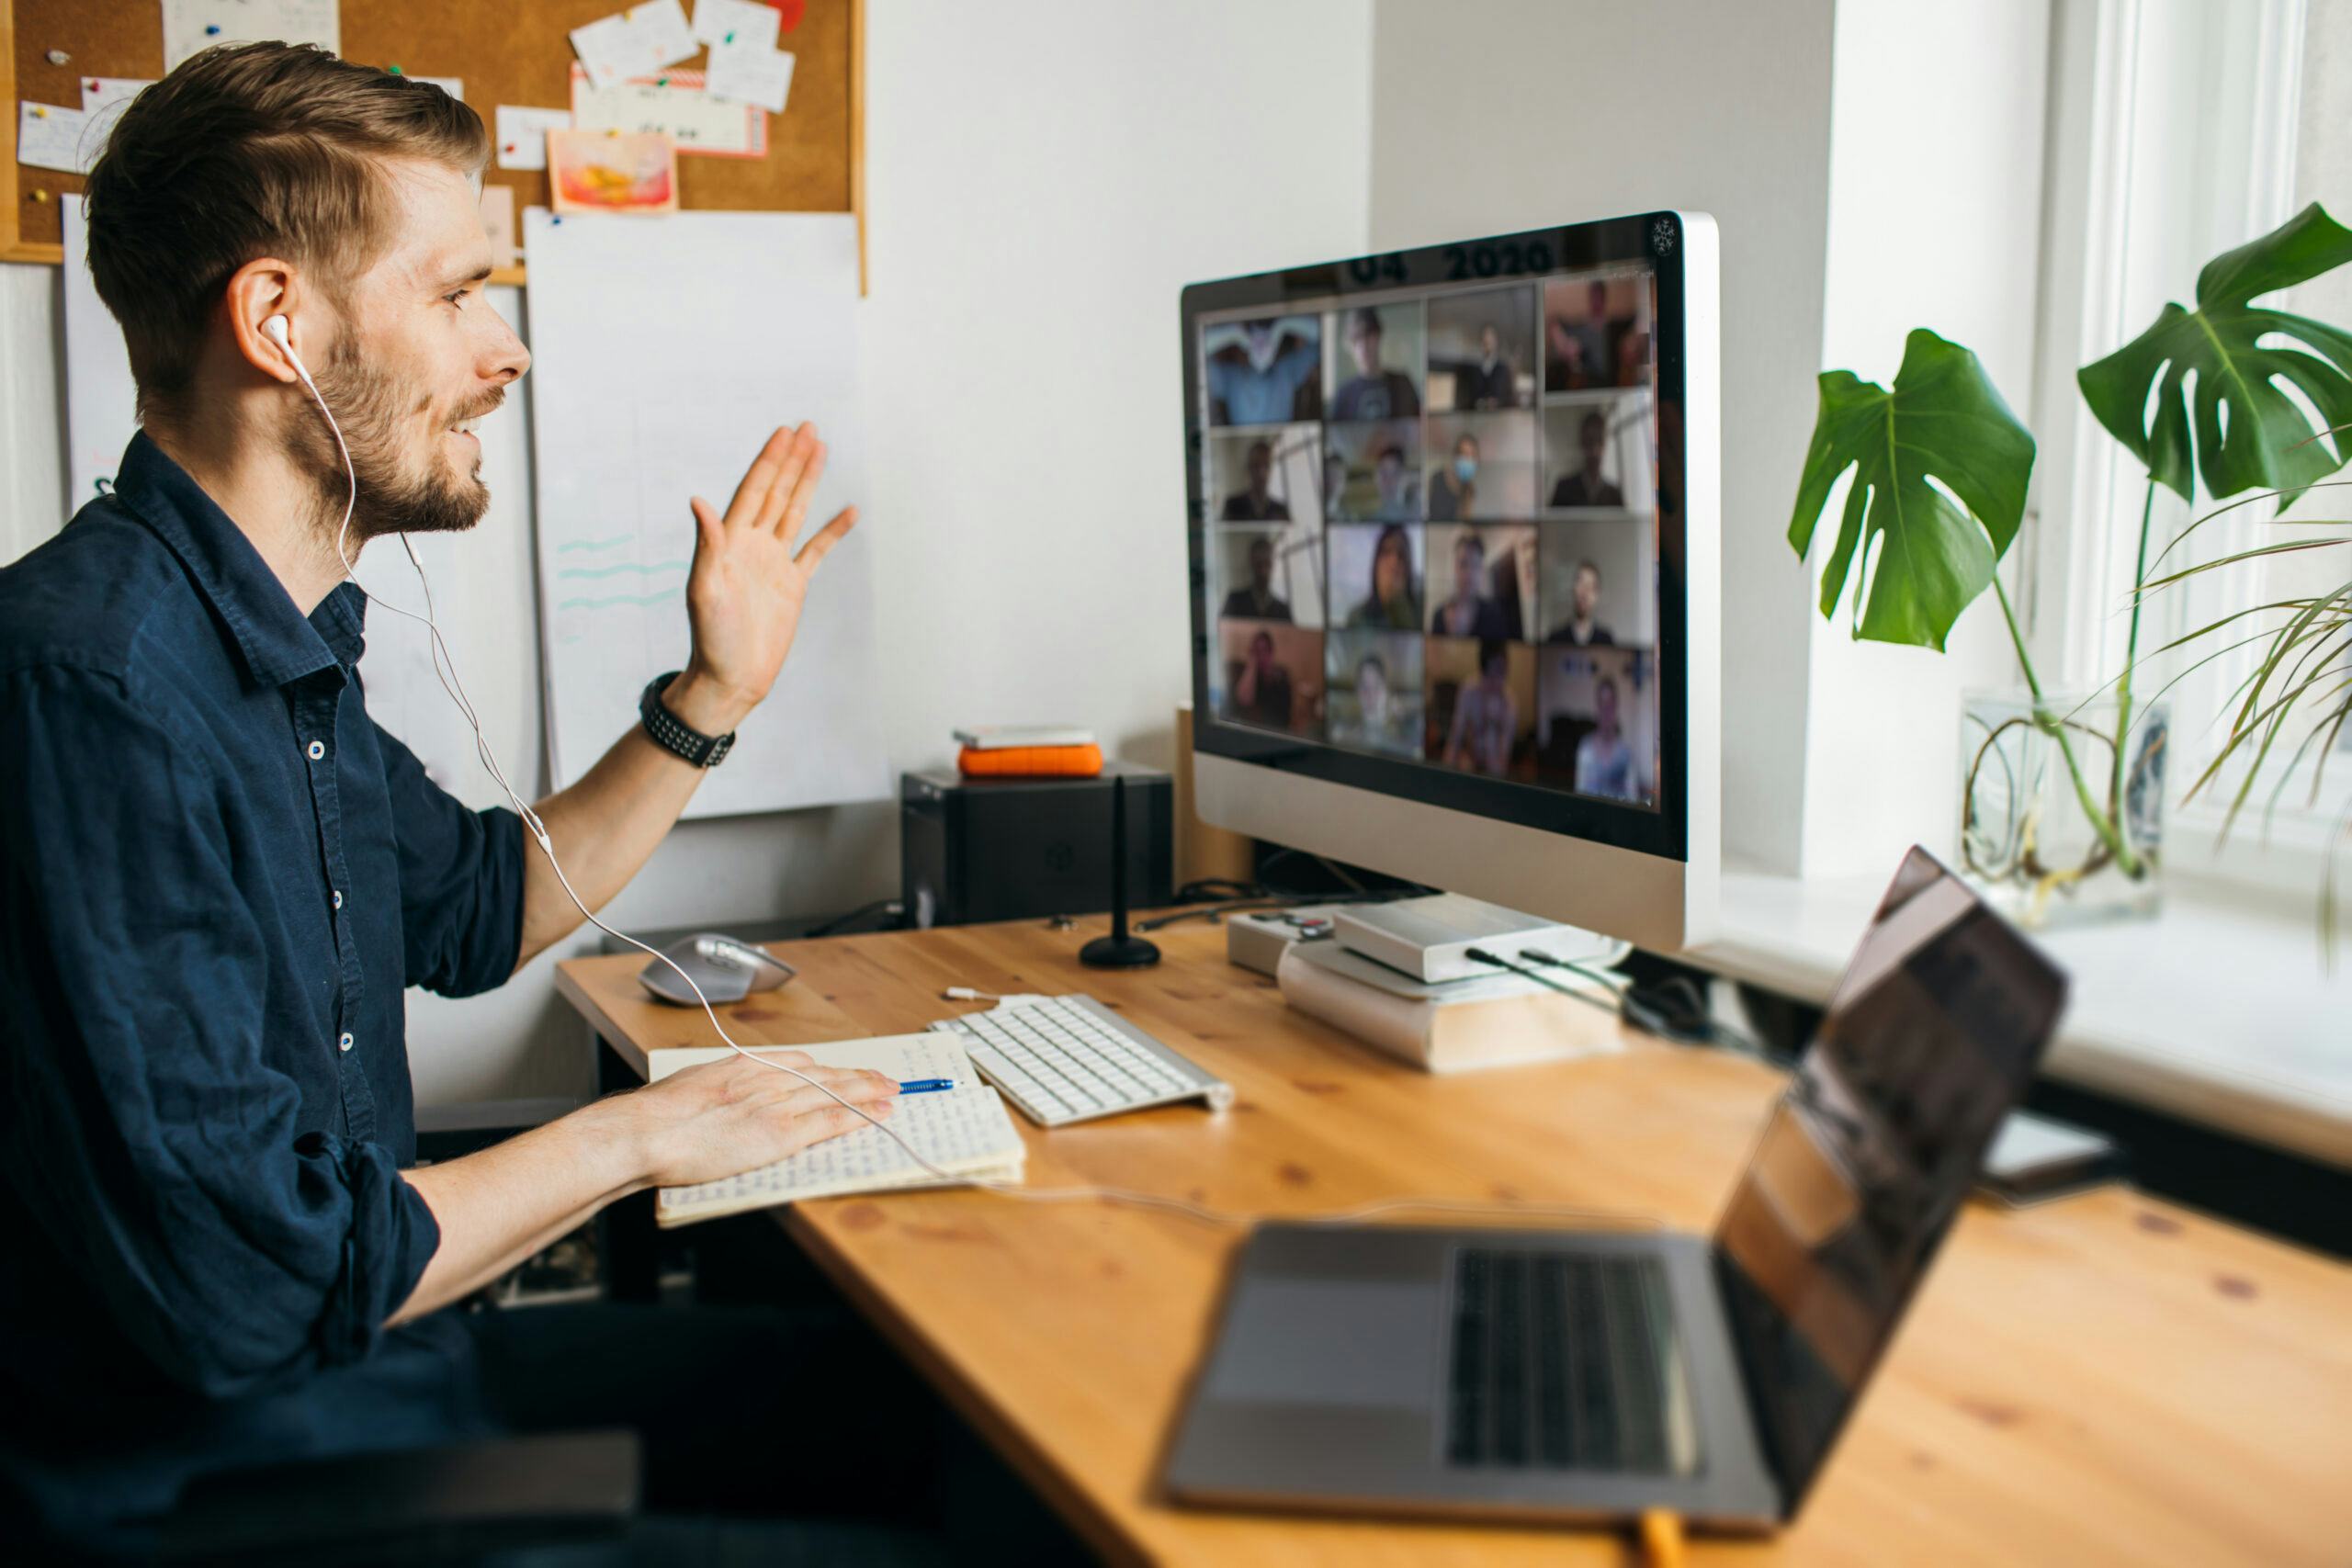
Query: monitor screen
{"x": 1932, "y": 1038}
{"x": 1436, "y": 533}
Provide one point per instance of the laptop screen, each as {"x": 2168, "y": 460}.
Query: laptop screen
{"x": 1932, "y": 1037}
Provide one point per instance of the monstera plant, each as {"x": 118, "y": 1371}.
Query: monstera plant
{"x": 1941, "y": 468}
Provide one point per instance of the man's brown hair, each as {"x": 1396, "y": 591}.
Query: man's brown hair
{"x": 248, "y": 151}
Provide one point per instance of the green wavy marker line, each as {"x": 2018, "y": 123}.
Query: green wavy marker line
{"x": 624, "y": 566}
{"x": 611, "y": 599}
{"x": 604, "y": 543}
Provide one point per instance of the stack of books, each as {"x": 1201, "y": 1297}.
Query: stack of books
{"x": 1061, "y": 751}
{"x": 1396, "y": 976}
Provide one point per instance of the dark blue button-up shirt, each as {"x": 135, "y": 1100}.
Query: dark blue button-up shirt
{"x": 216, "y": 875}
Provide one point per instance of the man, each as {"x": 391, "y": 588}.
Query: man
{"x": 1257, "y": 601}
{"x": 1275, "y": 379}
{"x": 1585, "y": 487}
{"x": 1453, "y": 490}
{"x": 1257, "y": 505}
{"x": 1470, "y": 610}
{"x": 1582, "y": 629}
{"x": 1262, "y": 691}
{"x": 216, "y": 875}
{"x": 1376, "y": 392}
{"x": 1491, "y": 383}
{"x": 1486, "y": 716}
{"x": 1397, "y": 491}
{"x": 1581, "y": 348}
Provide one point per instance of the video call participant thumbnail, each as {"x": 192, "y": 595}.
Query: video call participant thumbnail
{"x": 1453, "y": 488}
{"x": 1481, "y": 350}
{"x": 1481, "y": 705}
{"x": 1601, "y": 722}
{"x": 1479, "y": 580}
{"x": 1266, "y": 371}
{"x": 1583, "y": 628}
{"x": 1256, "y": 600}
{"x": 1583, "y": 485}
{"x": 1273, "y": 675}
{"x": 1594, "y": 334}
{"x": 1373, "y": 472}
{"x": 1376, "y": 574}
{"x": 1257, "y": 504}
{"x": 1375, "y": 691}
{"x": 1380, "y": 386}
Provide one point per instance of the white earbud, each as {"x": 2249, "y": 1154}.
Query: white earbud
{"x": 275, "y": 328}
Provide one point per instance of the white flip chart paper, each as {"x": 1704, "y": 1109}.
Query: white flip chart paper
{"x": 666, "y": 351}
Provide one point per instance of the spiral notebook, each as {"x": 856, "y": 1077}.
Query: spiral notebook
{"x": 965, "y": 1131}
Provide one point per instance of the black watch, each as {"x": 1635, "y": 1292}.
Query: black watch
{"x": 673, "y": 735}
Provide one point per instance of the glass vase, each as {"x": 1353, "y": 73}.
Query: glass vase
{"x": 2027, "y": 839}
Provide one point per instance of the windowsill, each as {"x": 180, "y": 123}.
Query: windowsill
{"x": 2217, "y": 1013}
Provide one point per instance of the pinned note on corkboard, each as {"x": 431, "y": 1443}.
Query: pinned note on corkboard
{"x": 513, "y": 52}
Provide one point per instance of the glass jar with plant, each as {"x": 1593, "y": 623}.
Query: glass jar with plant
{"x": 2063, "y": 794}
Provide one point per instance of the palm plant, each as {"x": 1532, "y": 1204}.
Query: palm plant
{"x": 1942, "y": 467}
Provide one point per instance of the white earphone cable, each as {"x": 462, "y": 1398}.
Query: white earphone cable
{"x": 445, "y": 670}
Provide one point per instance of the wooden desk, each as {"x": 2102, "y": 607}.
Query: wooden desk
{"x": 2105, "y": 1380}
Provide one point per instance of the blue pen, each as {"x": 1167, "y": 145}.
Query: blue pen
{"x": 925, "y": 1086}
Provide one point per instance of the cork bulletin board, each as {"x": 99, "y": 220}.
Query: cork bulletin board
{"x": 505, "y": 51}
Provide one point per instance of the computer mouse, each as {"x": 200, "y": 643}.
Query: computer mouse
{"x": 726, "y": 969}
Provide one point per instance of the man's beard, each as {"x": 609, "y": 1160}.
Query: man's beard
{"x": 370, "y": 408}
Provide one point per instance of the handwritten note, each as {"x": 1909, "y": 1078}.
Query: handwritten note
{"x": 52, "y": 137}
{"x": 634, "y": 42}
{"x": 671, "y": 103}
{"x": 751, "y": 76}
{"x": 737, "y": 24}
{"x": 190, "y": 25}
{"x": 523, "y": 135}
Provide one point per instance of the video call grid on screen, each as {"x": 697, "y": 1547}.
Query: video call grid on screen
{"x": 1432, "y": 524}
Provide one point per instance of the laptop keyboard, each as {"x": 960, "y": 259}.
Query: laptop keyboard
{"x": 1561, "y": 1361}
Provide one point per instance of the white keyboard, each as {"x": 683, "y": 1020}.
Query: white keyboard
{"x": 1071, "y": 1059}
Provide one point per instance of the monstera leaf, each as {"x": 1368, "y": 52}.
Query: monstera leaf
{"x": 2248, "y": 434}
{"x": 1932, "y": 556}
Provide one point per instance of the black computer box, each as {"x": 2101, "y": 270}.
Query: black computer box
{"x": 989, "y": 848}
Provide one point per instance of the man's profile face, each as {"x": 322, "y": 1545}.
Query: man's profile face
{"x": 1261, "y": 650}
{"x": 1261, "y": 565}
{"x": 1604, "y": 706}
{"x": 419, "y": 357}
{"x": 1261, "y": 466}
{"x": 1587, "y": 592}
{"x": 1469, "y": 565}
{"x": 1490, "y": 342}
{"x": 1364, "y": 341}
{"x": 1597, "y": 301}
{"x": 1593, "y": 437}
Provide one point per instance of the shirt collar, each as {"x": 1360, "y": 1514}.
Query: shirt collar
{"x": 279, "y": 643}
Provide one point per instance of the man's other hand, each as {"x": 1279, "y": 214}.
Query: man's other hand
{"x": 748, "y": 580}
{"x": 723, "y": 1118}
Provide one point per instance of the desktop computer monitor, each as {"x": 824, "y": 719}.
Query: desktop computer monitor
{"x": 1454, "y": 518}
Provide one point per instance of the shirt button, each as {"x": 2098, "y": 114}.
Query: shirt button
{"x": 343, "y": 1044}
{"x": 338, "y": 898}
{"x": 318, "y": 748}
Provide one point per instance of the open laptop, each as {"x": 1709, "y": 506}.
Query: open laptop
{"x": 1575, "y": 1376}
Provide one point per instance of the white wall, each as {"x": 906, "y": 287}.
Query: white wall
{"x": 1043, "y": 176}
{"x": 1496, "y": 114}
{"x": 1935, "y": 220}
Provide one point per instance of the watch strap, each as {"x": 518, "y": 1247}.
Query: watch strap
{"x": 674, "y": 734}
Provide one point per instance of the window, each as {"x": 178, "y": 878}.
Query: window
{"x": 2179, "y": 130}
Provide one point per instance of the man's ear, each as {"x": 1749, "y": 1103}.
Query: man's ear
{"x": 256, "y": 291}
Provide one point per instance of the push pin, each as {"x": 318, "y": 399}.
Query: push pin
{"x": 41, "y": 195}
{"x": 394, "y": 69}
{"x": 58, "y": 57}
{"x": 212, "y": 29}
